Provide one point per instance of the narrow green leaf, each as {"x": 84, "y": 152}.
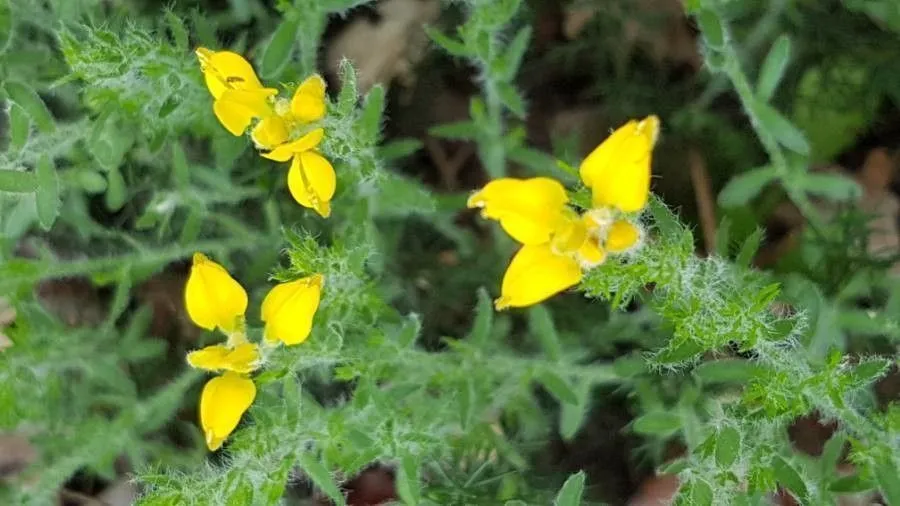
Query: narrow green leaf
{"x": 571, "y": 491}
{"x": 832, "y": 186}
{"x": 408, "y": 487}
{"x": 723, "y": 238}
{"x": 888, "y": 478}
{"x": 852, "y": 484}
{"x": 659, "y": 423}
{"x": 460, "y": 130}
{"x": 15, "y": 181}
{"x": 728, "y": 447}
{"x": 781, "y": 128}
{"x": 511, "y": 98}
{"x": 320, "y": 477}
{"x": 869, "y": 371}
{"x": 19, "y": 127}
{"x": 278, "y": 51}
{"x": 790, "y": 478}
{"x": 557, "y": 386}
{"x": 31, "y": 103}
{"x": 349, "y": 93}
{"x": 695, "y": 493}
{"x": 370, "y": 119}
{"x": 484, "y": 319}
{"x": 515, "y": 51}
{"x": 674, "y": 466}
{"x": 452, "y": 46}
{"x": 540, "y": 325}
{"x": 47, "y": 194}
{"x": 116, "y": 191}
{"x": 749, "y": 248}
{"x": 573, "y": 416}
{"x": 773, "y": 68}
{"x": 90, "y": 181}
{"x": 466, "y": 403}
{"x": 712, "y": 29}
{"x": 831, "y": 453}
{"x": 6, "y": 25}
{"x": 275, "y": 483}
{"x": 181, "y": 174}
{"x": 743, "y": 187}
{"x": 177, "y": 29}
{"x": 399, "y": 149}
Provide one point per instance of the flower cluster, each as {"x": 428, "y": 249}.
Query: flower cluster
{"x": 284, "y": 129}
{"x": 214, "y": 300}
{"x": 558, "y": 243}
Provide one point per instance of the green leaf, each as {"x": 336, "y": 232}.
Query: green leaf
{"x": 116, "y": 191}
{"x": 16, "y": 181}
{"x": 515, "y": 51}
{"x": 727, "y": 371}
{"x": 540, "y": 325}
{"x": 659, "y": 423}
{"x": 349, "y": 93}
{"x": 47, "y": 195}
{"x": 749, "y": 248}
{"x": 19, "y": 128}
{"x": 743, "y": 187}
{"x": 869, "y": 371}
{"x": 181, "y": 174}
{"x": 90, "y": 181}
{"x": 484, "y": 319}
{"x": 728, "y": 446}
{"x": 674, "y": 466}
{"x": 278, "y": 51}
{"x": 790, "y": 478}
{"x": 460, "y": 130}
{"x": 712, "y": 28}
{"x": 511, "y": 98}
{"x": 557, "y": 386}
{"x": 723, "y": 238}
{"x": 773, "y": 68}
{"x": 320, "y": 477}
{"x": 177, "y": 29}
{"x": 370, "y": 119}
{"x": 571, "y": 491}
{"x": 785, "y": 132}
{"x": 408, "y": 487}
{"x": 832, "y": 186}
{"x": 399, "y": 149}
{"x": 573, "y": 416}
{"x": 695, "y": 493}
{"x": 6, "y": 25}
{"x": 852, "y": 484}
{"x": 452, "y": 46}
{"x": 466, "y": 403}
{"x": 31, "y": 103}
{"x": 831, "y": 453}
{"x": 888, "y": 478}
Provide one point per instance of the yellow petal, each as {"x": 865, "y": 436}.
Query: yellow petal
{"x": 618, "y": 170}
{"x": 570, "y": 235}
{"x": 212, "y": 297}
{"x": 590, "y": 254}
{"x": 536, "y": 274}
{"x": 622, "y": 236}
{"x": 235, "y": 109}
{"x": 222, "y": 404}
{"x": 270, "y": 132}
{"x": 307, "y": 142}
{"x": 243, "y": 358}
{"x": 529, "y": 210}
{"x": 311, "y": 181}
{"x": 308, "y": 103}
{"x": 225, "y": 70}
{"x": 288, "y": 309}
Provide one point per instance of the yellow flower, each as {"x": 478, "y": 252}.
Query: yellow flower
{"x": 535, "y": 274}
{"x": 312, "y": 182}
{"x": 622, "y": 236}
{"x": 243, "y": 358}
{"x": 308, "y": 103}
{"x": 288, "y": 309}
{"x": 239, "y": 95}
{"x": 213, "y": 298}
{"x": 529, "y": 210}
{"x": 618, "y": 170}
{"x": 222, "y": 404}
{"x": 285, "y": 151}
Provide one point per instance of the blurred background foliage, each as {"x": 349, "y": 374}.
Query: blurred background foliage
{"x": 752, "y": 348}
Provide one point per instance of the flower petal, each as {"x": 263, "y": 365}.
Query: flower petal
{"x": 311, "y": 181}
{"x": 307, "y": 142}
{"x": 271, "y": 131}
{"x": 622, "y": 236}
{"x": 243, "y": 358}
{"x": 222, "y": 404}
{"x": 618, "y": 170}
{"x": 288, "y": 309}
{"x": 225, "y": 70}
{"x": 308, "y": 103}
{"x": 591, "y": 254}
{"x": 235, "y": 109}
{"x": 212, "y": 297}
{"x": 529, "y": 210}
{"x": 536, "y": 274}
